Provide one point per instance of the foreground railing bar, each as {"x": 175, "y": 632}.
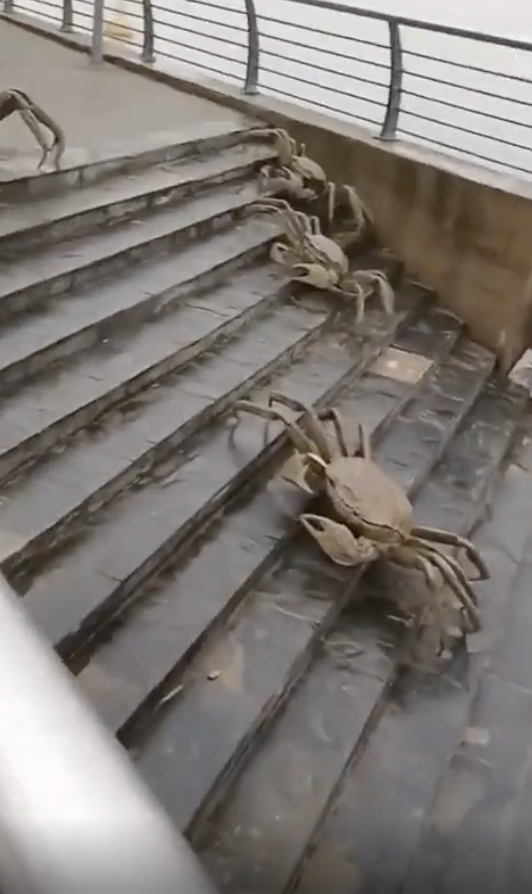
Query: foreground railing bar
{"x": 466, "y": 67}
{"x": 313, "y": 30}
{"x": 471, "y": 133}
{"x": 74, "y": 816}
{"x": 461, "y": 108}
{"x": 351, "y": 76}
{"x": 418, "y": 24}
{"x": 320, "y": 51}
{"x": 459, "y": 151}
{"x": 477, "y": 90}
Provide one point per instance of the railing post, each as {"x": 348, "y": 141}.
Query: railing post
{"x": 67, "y": 23}
{"x": 251, "y": 83}
{"x": 97, "y": 32}
{"x": 393, "y": 107}
{"x": 148, "y": 48}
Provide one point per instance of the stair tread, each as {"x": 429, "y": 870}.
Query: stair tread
{"x": 67, "y": 258}
{"x": 93, "y": 305}
{"x": 207, "y": 471}
{"x": 109, "y": 365}
{"x": 261, "y": 622}
{"x": 248, "y": 538}
{"x": 343, "y": 720}
{"x": 187, "y": 138}
{"x": 15, "y": 220}
{"x": 81, "y": 468}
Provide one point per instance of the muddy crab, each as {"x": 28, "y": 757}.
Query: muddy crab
{"x": 305, "y": 240}
{"x": 289, "y": 156}
{"x": 316, "y": 260}
{"x": 282, "y": 181}
{"x": 371, "y": 515}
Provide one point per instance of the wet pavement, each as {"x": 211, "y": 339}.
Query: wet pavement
{"x": 97, "y": 106}
{"x": 278, "y": 705}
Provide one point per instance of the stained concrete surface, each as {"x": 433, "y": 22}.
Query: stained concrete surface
{"x": 95, "y": 105}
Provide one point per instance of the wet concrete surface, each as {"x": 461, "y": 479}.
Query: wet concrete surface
{"x": 279, "y": 706}
{"x": 95, "y": 105}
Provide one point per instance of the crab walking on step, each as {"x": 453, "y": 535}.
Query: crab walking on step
{"x": 318, "y": 261}
{"x": 13, "y": 100}
{"x": 371, "y": 515}
{"x": 300, "y": 178}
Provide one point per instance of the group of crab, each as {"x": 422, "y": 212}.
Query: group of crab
{"x": 368, "y": 515}
{"x": 307, "y": 254}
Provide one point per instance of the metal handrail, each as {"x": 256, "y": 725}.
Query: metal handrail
{"x": 388, "y": 84}
{"x": 74, "y": 816}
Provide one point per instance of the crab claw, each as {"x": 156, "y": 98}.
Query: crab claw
{"x": 314, "y": 275}
{"x": 295, "y": 470}
{"x": 337, "y": 541}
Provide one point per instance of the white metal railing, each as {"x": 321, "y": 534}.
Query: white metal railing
{"x": 75, "y": 817}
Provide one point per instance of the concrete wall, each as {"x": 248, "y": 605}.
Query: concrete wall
{"x": 463, "y": 230}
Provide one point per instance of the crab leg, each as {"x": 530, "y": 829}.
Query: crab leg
{"x": 300, "y": 440}
{"x": 338, "y": 542}
{"x": 464, "y": 592}
{"x": 455, "y": 567}
{"x": 333, "y": 415}
{"x": 311, "y": 420}
{"x": 410, "y": 559}
{"x": 364, "y": 442}
{"x": 448, "y": 538}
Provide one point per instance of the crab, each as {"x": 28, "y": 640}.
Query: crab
{"x": 343, "y": 198}
{"x": 33, "y": 116}
{"x": 306, "y": 241}
{"x": 284, "y": 181}
{"x": 371, "y": 515}
{"x": 290, "y": 156}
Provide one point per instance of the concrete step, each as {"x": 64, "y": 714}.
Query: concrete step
{"x": 213, "y": 474}
{"x": 39, "y": 224}
{"x": 281, "y": 622}
{"x": 54, "y": 332}
{"x": 405, "y": 775}
{"x": 126, "y": 444}
{"x": 41, "y": 415}
{"x": 255, "y": 518}
{"x": 160, "y": 554}
{"x": 47, "y": 274}
{"x": 82, "y": 168}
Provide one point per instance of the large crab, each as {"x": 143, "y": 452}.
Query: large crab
{"x": 289, "y": 156}
{"x": 371, "y": 515}
{"x": 305, "y": 239}
{"x": 283, "y": 181}
{"x": 318, "y": 261}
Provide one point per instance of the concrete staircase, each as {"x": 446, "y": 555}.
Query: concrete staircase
{"x": 251, "y": 680}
